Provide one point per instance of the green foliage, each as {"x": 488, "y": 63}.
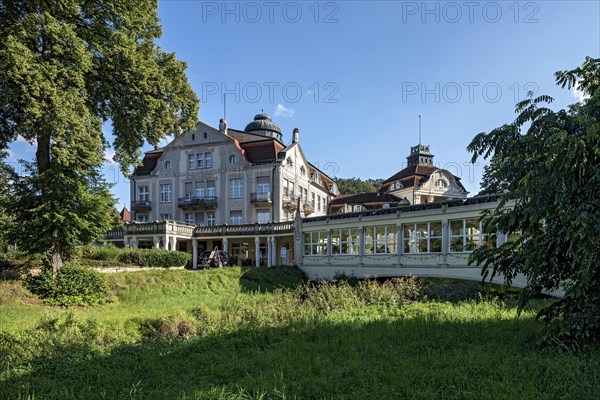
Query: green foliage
{"x": 66, "y": 68}
{"x": 547, "y": 164}
{"x": 357, "y": 185}
{"x": 201, "y": 334}
{"x": 153, "y": 257}
{"x": 74, "y": 285}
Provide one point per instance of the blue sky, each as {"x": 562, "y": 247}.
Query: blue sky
{"x": 353, "y": 76}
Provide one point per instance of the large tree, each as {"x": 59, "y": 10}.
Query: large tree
{"x": 67, "y": 67}
{"x": 548, "y": 163}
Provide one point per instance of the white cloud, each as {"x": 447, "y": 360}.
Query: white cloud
{"x": 578, "y": 94}
{"x": 281, "y": 111}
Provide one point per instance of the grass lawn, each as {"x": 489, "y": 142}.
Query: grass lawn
{"x": 229, "y": 334}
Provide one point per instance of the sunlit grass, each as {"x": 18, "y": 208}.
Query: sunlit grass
{"x": 229, "y": 334}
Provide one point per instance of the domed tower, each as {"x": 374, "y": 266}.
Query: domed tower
{"x": 264, "y": 125}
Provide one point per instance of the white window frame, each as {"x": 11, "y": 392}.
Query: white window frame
{"x": 413, "y": 239}
{"x": 143, "y": 193}
{"x": 315, "y": 243}
{"x": 347, "y": 241}
{"x": 208, "y": 159}
{"x": 191, "y": 161}
{"x": 210, "y": 218}
{"x": 387, "y": 242}
{"x": 236, "y": 188}
{"x": 236, "y": 217}
{"x": 166, "y": 193}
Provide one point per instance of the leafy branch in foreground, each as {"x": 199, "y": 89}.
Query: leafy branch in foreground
{"x": 548, "y": 163}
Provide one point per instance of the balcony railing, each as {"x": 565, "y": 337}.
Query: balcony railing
{"x": 245, "y": 229}
{"x": 141, "y": 205}
{"x": 290, "y": 203}
{"x": 308, "y": 208}
{"x": 261, "y": 197}
{"x": 198, "y": 202}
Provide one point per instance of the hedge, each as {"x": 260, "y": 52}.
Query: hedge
{"x": 153, "y": 257}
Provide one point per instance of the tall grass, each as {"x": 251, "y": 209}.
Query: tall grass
{"x": 263, "y": 333}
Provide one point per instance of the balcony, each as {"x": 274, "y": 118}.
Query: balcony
{"x": 245, "y": 229}
{"x": 197, "y": 202}
{"x": 141, "y": 205}
{"x": 261, "y": 198}
{"x": 290, "y": 203}
{"x": 308, "y": 209}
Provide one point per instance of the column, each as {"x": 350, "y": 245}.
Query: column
{"x": 173, "y": 243}
{"x": 269, "y": 251}
{"x": 329, "y": 246}
{"x": 445, "y": 241}
{"x": 257, "y": 251}
{"x": 399, "y": 245}
{"x": 274, "y": 262}
{"x": 361, "y": 249}
{"x": 133, "y": 242}
{"x": 156, "y": 243}
{"x": 195, "y": 253}
{"x": 225, "y": 245}
{"x": 165, "y": 240}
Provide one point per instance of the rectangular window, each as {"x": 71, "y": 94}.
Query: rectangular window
{"x": 305, "y": 195}
{"x": 189, "y": 189}
{"x": 191, "y": 161}
{"x": 286, "y": 185}
{"x": 166, "y": 195}
{"x": 315, "y": 243}
{"x": 166, "y": 217}
{"x": 345, "y": 241}
{"x": 313, "y": 200}
{"x": 211, "y": 190}
{"x": 189, "y": 218}
{"x": 263, "y": 216}
{"x": 207, "y": 160}
{"x": 468, "y": 234}
{"x": 263, "y": 187}
{"x": 318, "y": 203}
{"x": 143, "y": 218}
{"x": 235, "y": 217}
{"x": 291, "y": 189}
{"x": 199, "y": 193}
{"x": 199, "y": 219}
{"x": 199, "y": 160}
{"x": 143, "y": 193}
{"x": 236, "y": 189}
{"x": 210, "y": 218}
{"x": 424, "y": 237}
{"x": 380, "y": 239}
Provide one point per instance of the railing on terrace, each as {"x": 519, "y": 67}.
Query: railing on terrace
{"x": 245, "y": 229}
{"x": 141, "y": 205}
{"x": 402, "y": 209}
{"x": 198, "y": 201}
{"x": 114, "y": 234}
{"x": 261, "y": 197}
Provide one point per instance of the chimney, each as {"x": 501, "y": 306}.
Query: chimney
{"x": 223, "y": 126}
{"x": 295, "y": 136}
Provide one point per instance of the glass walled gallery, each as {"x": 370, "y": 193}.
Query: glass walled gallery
{"x": 427, "y": 237}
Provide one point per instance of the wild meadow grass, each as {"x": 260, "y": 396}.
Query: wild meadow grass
{"x": 258, "y": 334}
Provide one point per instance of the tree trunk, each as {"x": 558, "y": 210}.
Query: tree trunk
{"x": 42, "y": 156}
{"x": 56, "y": 259}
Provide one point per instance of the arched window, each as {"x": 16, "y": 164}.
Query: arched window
{"x": 302, "y": 171}
{"x": 232, "y": 159}
{"x": 441, "y": 183}
{"x": 168, "y": 165}
{"x": 289, "y": 162}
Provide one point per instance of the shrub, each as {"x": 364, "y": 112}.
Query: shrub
{"x": 74, "y": 285}
{"x": 153, "y": 257}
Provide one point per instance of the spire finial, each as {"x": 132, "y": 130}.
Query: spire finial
{"x": 419, "y": 129}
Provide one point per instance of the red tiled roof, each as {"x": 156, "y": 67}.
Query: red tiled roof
{"x": 148, "y": 162}
{"x": 125, "y": 215}
{"x": 414, "y": 175}
{"x": 262, "y": 151}
{"x": 365, "y": 198}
